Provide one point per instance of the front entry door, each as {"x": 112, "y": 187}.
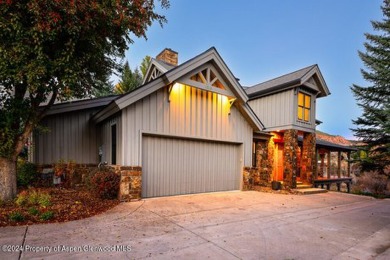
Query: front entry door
{"x": 278, "y": 162}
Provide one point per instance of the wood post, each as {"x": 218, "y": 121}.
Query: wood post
{"x": 329, "y": 164}
{"x": 349, "y": 164}
{"x": 339, "y": 164}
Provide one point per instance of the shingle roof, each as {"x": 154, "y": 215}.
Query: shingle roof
{"x": 164, "y": 64}
{"x": 330, "y": 145}
{"x": 279, "y": 82}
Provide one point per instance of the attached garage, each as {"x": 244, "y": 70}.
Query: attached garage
{"x": 173, "y": 166}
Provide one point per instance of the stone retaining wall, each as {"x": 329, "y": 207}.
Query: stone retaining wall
{"x": 131, "y": 182}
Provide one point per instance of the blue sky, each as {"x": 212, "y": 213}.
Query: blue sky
{"x": 263, "y": 39}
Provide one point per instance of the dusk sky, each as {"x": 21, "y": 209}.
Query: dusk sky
{"x": 263, "y": 39}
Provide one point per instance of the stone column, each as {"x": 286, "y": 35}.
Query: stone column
{"x": 308, "y": 160}
{"x": 262, "y": 163}
{"x": 290, "y": 159}
{"x": 131, "y": 182}
{"x": 270, "y": 155}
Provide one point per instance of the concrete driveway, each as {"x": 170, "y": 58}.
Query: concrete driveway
{"x": 228, "y": 225}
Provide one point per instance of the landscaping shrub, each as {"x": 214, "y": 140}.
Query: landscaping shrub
{"x": 88, "y": 178}
{"x": 16, "y": 216}
{"x": 26, "y": 173}
{"x": 33, "y": 211}
{"x": 105, "y": 184}
{"x": 371, "y": 183}
{"x": 22, "y": 198}
{"x": 47, "y": 215}
{"x": 33, "y": 197}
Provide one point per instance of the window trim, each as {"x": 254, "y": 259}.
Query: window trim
{"x": 304, "y": 107}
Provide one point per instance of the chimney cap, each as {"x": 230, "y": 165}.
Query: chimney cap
{"x": 168, "y": 56}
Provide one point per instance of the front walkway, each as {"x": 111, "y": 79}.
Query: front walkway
{"x": 228, "y": 225}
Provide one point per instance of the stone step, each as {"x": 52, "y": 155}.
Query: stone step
{"x": 304, "y": 186}
{"x": 310, "y": 191}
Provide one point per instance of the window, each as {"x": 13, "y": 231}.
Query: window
{"x": 113, "y": 144}
{"x": 304, "y": 104}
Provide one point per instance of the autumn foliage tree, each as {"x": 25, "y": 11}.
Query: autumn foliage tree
{"x": 373, "y": 126}
{"x": 55, "y": 49}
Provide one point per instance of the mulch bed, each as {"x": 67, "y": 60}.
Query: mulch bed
{"x": 66, "y": 204}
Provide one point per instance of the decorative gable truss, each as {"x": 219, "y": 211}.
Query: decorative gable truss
{"x": 207, "y": 78}
{"x": 154, "y": 73}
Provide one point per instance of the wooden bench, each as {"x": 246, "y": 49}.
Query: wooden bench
{"x": 338, "y": 181}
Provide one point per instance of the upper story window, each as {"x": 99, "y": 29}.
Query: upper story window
{"x": 304, "y": 105}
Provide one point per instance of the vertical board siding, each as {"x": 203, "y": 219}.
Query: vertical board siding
{"x": 280, "y": 110}
{"x": 276, "y": 109}
{"x": 175, "y": 166}
{"x": 69, "y": 136}
{"x": 104, "y": 141}
{"x": 190, "y": 113}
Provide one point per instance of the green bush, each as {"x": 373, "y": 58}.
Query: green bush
{"x": 26, "y": 173}
{"x": 106, "y": 184}
{"x": 36, "y": 197}
{"x": 22, "y": 198}
{"x": 16, "y": 216}
{"x": 47, "y": 215}
{"x": 33, "y": 197}
{"x": 33, "y": 211}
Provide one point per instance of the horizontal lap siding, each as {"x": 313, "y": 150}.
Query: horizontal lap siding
{"x": 68, "y": 136}
{"x": 190, "y": 113}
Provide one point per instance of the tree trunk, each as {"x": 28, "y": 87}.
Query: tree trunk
{"x": 7, "y": 179}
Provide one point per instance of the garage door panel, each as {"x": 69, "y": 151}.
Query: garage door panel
{"x": 178, "y": 166}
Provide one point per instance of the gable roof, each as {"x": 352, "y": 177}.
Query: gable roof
{"x": 291, "y": 80}
{"x": 76, "y": 105}
{"x": 170, "y": 76}
{"x": 158, "y": 65}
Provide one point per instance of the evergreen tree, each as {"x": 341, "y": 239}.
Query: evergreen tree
{"x": 103, "y": 88}
{"x": 373, "y": 126}
{"x": 145, "y": 65}
{"x": 129, "y": 80}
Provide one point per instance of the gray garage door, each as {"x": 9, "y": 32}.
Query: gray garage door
{"x": 178, "y": 166}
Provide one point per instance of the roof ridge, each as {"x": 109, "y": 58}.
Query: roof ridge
{"x": 284, "y": 75}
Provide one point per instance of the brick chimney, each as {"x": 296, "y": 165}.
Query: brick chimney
{"x": 169, "y": 56}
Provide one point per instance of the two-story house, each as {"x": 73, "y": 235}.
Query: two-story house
{"x": 191, "y": 128}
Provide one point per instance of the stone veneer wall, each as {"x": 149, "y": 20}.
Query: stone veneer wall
{"x": 249, "y": 176}
{"x": 270, "y": 156}
{"x": 262, "y": 164}
{"x": 308, "y": 159}
{"x": 131, "y": 182}
{"x": 77, "y": 172}
{"x": 290, "y": 159}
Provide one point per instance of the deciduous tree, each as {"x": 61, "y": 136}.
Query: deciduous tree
{"x": 53, "y": 49}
